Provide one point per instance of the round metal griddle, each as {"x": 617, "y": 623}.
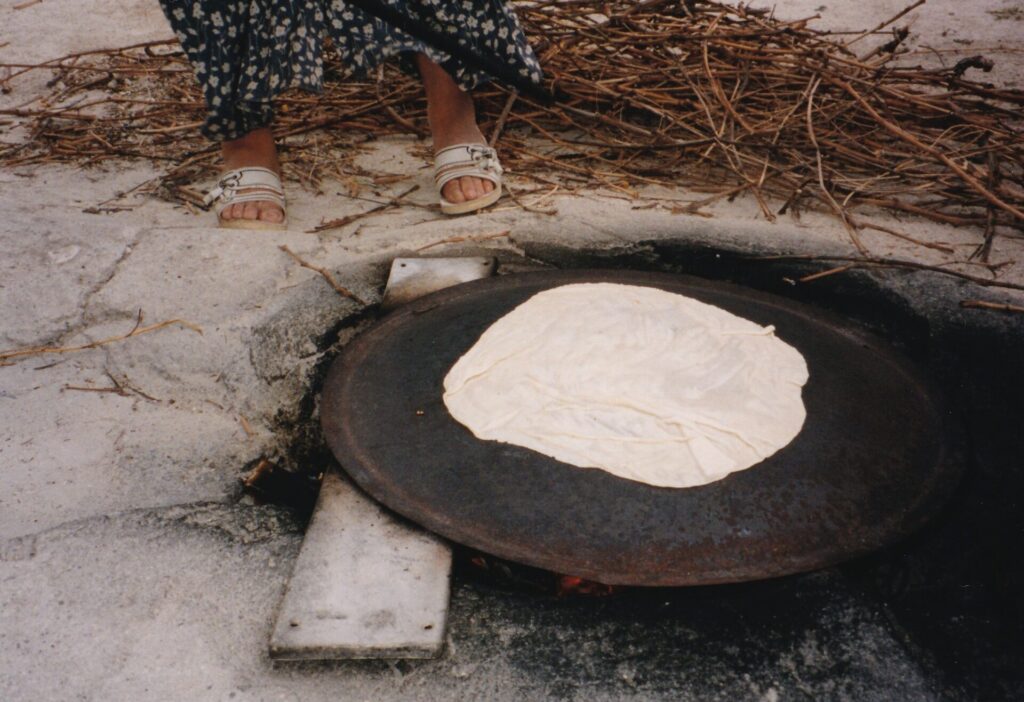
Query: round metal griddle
{"x": 871, "y": 463}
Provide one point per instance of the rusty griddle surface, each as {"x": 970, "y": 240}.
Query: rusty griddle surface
{"x": 871, "y": 463}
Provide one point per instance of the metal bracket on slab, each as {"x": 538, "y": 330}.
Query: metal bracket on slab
{"x": 366, "y": 585}
{"x": 411, "y": 278}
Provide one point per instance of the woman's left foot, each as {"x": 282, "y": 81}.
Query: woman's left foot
{"x": 463, "y": 162}
{"x": 451, "y": 132}
{"x": 452, "y": 121}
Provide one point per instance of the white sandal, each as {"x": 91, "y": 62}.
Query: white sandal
{"x": 460, "y": 161}
{"x": 251, "y": 184}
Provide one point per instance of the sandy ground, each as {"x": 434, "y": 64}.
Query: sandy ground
{"x": 131, "y": 566}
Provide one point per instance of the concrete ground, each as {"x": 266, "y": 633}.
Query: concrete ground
{"x": 132, "y": 566}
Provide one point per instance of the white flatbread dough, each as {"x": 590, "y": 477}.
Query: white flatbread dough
{"x": 645, "y": 384}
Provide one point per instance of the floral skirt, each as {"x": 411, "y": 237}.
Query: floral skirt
{"x": 245, "y": 52}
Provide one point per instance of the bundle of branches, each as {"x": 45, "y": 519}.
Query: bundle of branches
{"x": 721, "y": 98}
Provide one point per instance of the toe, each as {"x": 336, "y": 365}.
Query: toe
{"x": 471, "y": 188}
{"x": 452, "y": 191}
{"x": 270, "y": 212}
{"x": 487, "y": 185}
{"x": 262, "y": 210}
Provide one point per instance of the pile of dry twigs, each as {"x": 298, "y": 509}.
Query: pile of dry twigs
{"x": 720, "y": 98}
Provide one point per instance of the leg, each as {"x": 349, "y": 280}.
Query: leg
{"x": 254, "y": 149}
{"x": 452, "y": 121}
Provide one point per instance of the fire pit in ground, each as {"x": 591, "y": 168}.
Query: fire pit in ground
{"x": 875, "y": 458}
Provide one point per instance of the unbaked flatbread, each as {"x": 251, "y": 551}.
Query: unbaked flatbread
{"x": 645, "y": 384}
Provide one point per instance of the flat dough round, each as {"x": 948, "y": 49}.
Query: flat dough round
{"x": 645, "y": 384}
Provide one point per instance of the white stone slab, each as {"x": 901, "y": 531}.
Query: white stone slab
{"x": 411, "y": 278}
{"x": 364, "y": 585}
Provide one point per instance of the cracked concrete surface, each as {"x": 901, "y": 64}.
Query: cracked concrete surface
{"x": 131, "y": 565}
{"x": 148, "y": 623}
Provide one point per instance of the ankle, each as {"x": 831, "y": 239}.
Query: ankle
{"x": 256, "y": 148}
{"x": 448, "y": 128}
{"x": 450, "y": 105}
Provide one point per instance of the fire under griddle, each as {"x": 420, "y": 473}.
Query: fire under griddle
{"x": 877, "y": 456}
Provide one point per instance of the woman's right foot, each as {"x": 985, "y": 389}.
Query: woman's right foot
{"x": 254, "y": 149}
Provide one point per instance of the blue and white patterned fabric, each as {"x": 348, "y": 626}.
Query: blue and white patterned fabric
{"x": 245, "y": 52}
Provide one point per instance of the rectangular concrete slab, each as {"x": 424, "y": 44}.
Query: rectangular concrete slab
{"x": 364, "y": 585}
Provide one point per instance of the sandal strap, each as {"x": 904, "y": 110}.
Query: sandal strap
{"x": 461, "y": 160}
{"x": 250, "y": 184}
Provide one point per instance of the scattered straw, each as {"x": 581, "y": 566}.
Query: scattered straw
{"x": 671, "y": 92}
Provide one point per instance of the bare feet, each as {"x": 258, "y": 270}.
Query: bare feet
{"x": 452, "y": 121}
{"x": 254, "y": 149}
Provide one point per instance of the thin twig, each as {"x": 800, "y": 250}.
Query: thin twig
{"x": 886, "y": 23}
{"x": 500, "y": 124}
{"x": 468, "y": 237}
{"x": 343, "y": 291}
{"x": 393, "y": 203}
{"x": 529, "y": 208}
{"x": 114, "y": 390}
{"x": 896, "y": 263}
{"x": 907, "y": 237}
{"x": 137, "y": 330}
{"x": 826, "y": 273}
{"x": 262, "y": 467}
{"x": 985, "y": 249}
{"x": 983, "y": 305}
{"x": 841, "y": 213}
{"x": 246, "y": 427}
